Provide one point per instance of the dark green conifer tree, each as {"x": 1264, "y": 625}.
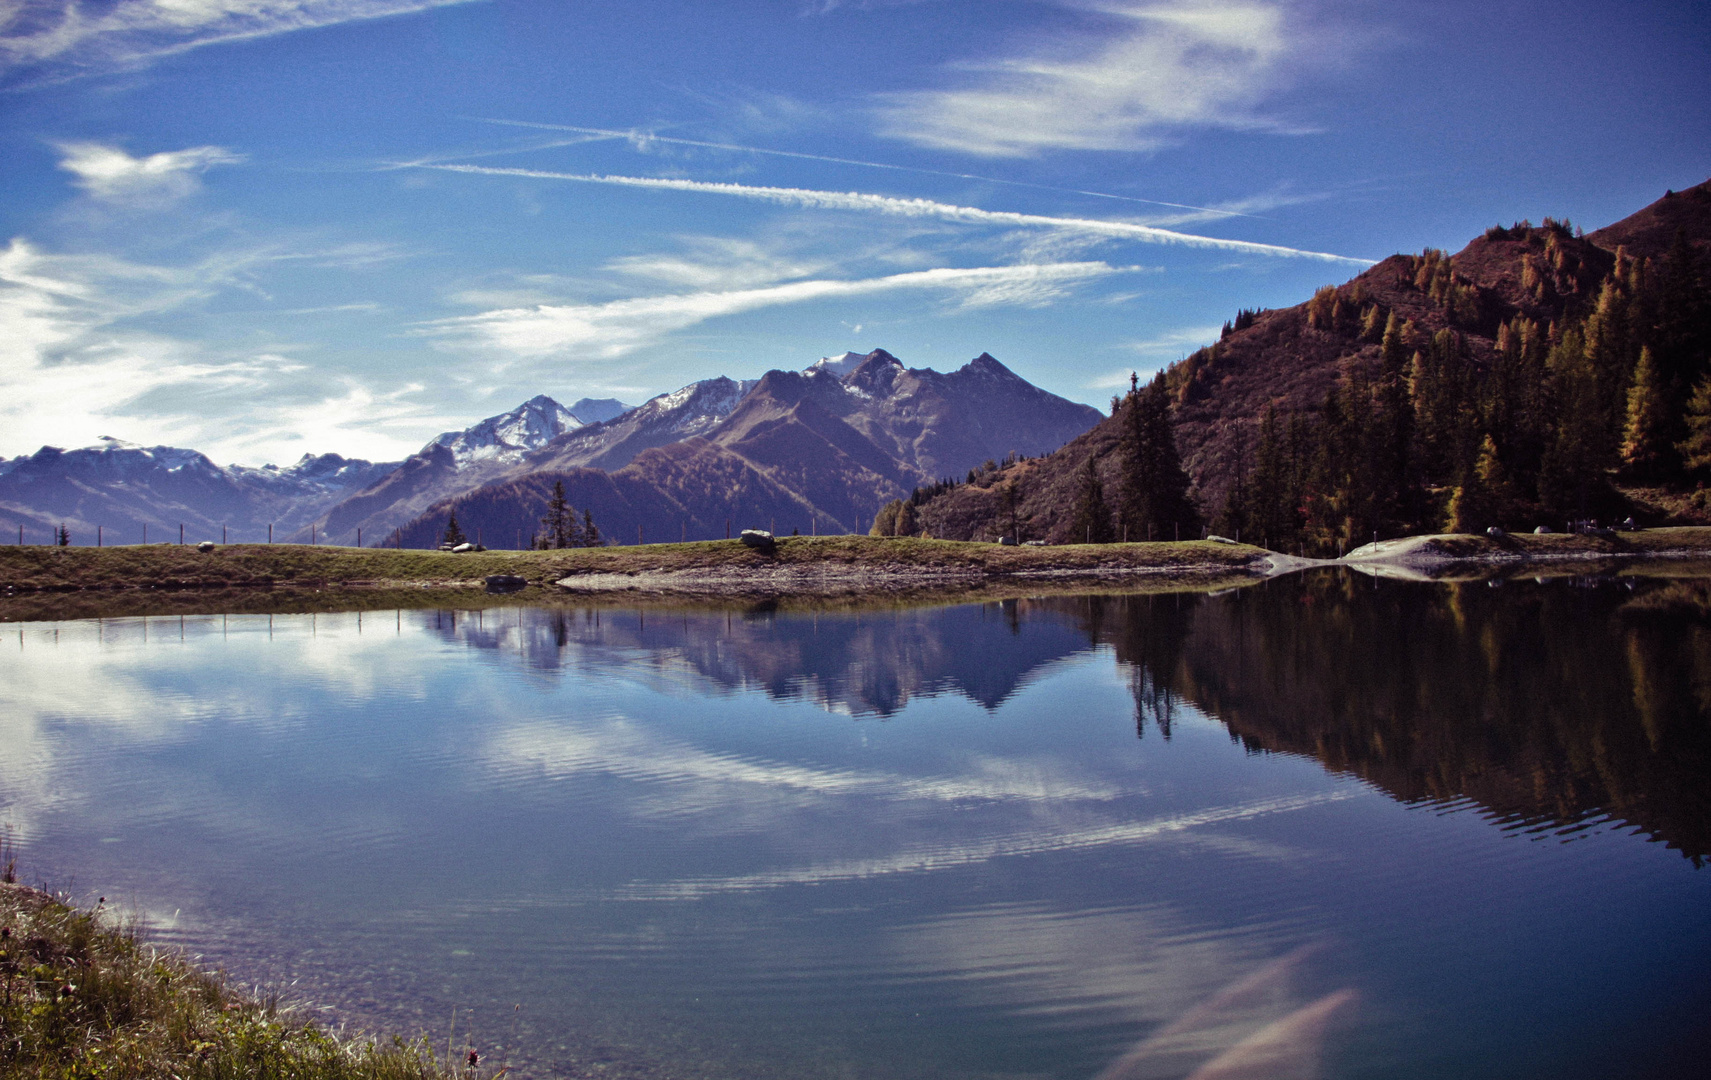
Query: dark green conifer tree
{"x": 558, "y": 526}
{"x": 1092, "y": 521}
{"x": 454, "y": 535}
{"x": 1155, "y": 496}
{"x": 1571, "y": 476}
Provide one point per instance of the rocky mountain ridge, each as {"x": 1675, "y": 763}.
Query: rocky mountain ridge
{"x": 810, "y": 450}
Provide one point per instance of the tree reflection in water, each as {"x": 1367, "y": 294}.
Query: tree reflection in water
{"x": 1550, "y": 705}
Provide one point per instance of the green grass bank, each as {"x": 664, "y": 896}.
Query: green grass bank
{"x": 84, "y": 998}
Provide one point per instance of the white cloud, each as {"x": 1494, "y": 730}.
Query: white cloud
{"x": 64, "y": 38}
{"x": 716, "y": 262}
{"x": 74, "y": 365}
{"x": 1182, "y": 340}
{"x": 619, "y": 327}
{"x": 111, "y": 175}
{"x": 1157, "y": 351}
{"x": 1163, "y": 68}
{"x": 914, "y": 208}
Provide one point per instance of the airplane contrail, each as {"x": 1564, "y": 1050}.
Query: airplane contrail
{"x": 912, "y": 208}
{"x": 642, "y": 136}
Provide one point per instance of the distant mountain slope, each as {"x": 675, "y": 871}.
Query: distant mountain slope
{"x": 946, "y": 423}
{"x": 1290, "y": 359}
{"x": 808, "y": 449}
{"x": 509, "y": 436}
{"x": 689, "y": 489}
{"x": 454, "y": 462}
{"x": 682, "y": 414}
{"x": 119, "y": 488}
{"x": 594, "y": 410}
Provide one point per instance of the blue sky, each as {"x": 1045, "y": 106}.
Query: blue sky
{"x": 268, "y": 227}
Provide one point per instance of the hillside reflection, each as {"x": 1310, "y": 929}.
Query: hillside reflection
{"x": 869, "y": 664}
{"x": 1549, "y": 705}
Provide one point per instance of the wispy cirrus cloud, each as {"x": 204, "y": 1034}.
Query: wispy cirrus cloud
{"x": 911, "y": 208}
{"x": 111, "y": 175}
{"x": 619, "y": 327}
{"x": 718, "y": 262}
{"x": 1156, "y": 70}
{"x": 48, "y": 40}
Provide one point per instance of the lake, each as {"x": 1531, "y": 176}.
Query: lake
{"x": 1324, "y": 826}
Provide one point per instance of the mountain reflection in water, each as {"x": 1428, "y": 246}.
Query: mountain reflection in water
{"x": 1550, "y": 705}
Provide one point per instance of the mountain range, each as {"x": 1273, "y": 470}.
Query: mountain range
{"x": 817, "y": 450}
{"x": 120, "y": 492}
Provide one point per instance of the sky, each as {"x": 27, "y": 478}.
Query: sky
{"x": 264, "y": 228}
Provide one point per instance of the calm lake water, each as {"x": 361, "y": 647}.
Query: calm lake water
{"x": 1323, "y": 826}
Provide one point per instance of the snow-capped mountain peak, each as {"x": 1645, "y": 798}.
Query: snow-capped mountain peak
{"x": 508, "y": 436}
{"x": 837, "y": 365}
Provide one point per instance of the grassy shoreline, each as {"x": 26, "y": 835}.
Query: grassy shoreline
{"x": 83, "y": 997}
{"x": 47, "y": 583}
{"x": 175, "y": 567}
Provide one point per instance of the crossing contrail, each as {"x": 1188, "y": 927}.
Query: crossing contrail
{"x": 646, "y": 137}
{"x": 909, "y": 208}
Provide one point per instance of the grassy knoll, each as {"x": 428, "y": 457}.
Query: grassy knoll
{"x": 170, "y": 566}
{"x": 83, "y": 998}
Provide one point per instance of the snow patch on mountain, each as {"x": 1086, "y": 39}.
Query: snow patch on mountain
{"x": 836, "y": 365}
{"x": 694, "y": 408}
{"x": 508, "y": 436}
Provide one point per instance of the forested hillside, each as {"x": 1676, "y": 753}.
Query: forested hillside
{"x": 1532, "y": 378}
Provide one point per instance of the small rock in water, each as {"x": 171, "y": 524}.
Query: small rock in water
{"x": 504, "y": 583}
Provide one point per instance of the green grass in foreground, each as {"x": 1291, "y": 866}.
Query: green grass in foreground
{"x": 83, "y": 999}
